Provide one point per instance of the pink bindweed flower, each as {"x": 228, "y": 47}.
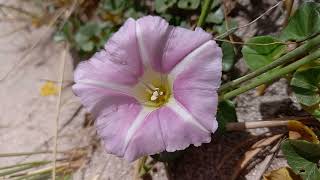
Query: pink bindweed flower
{"x": 152, "y": 88}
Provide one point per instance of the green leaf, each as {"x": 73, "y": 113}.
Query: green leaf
{"x": 88, "y": 46}
{"x": 114, "y": 5}
{"x": 226, "y": 113}
{"x": 299, "y": 163}
{"x": 163, "y": 5}
{"x": 215, "y": 17}
{"x": 307, "y": 149}
{"x": 188, "y": 4}
{"x": 304, "y": 23}
{"x": 257, "y": 55}
{"x": 229, "y": 56}
{"x": 305, "y": 85}
{"x": 222, "y": 28}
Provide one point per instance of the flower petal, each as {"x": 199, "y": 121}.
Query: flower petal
{"x": 122, "y": 48}
{"x": 195, "y": 83}
{"x": 115, "y": 67}
{"x": 146, "y": 139}
{"x": 164, "y": 129}
{"x": 152, "y": 35}
{"x": 180, "y": 43}
{"x": 115, "y": 115}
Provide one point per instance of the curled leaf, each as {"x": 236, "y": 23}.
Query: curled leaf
{"x": 304, "y": 131}
{"x": 262, "y": 50}
{"x": 284, "y": 173}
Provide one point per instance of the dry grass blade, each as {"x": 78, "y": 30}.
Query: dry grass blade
{"x": 64, "y": 54}
{"x": 254, "y": 150}
{"x": 25, "y": 55}
{"x": 246, "y": 25}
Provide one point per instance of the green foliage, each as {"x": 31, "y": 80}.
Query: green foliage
{"x": 91, "y": 36}
{"x": 306, "y": 84}
{"x": 188, "y": 4}
{"x": 115, "y": 5}
{"x": 304, "y": 23}
{"x": 261, "y": 51}
{"x": 163, "y": 5}
{"x": 226, "y": 113}
{"x": 229, "y": 56}
{"x": 220, "y": 29}
{"x": 216, "y": 16}
{"x": 297, "y": 153}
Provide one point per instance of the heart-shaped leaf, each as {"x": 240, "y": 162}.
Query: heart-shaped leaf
{"x": 262, "y": 50}
{"x": 300, "y": 163}
{"x": 305, "y": 85}
{"x": 304, "y": 23}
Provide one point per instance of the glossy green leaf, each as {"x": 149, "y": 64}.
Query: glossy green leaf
{"x": 215, "y": 17}
{"x": 305, "y": 85}
{"x": 306, "y": 149}
{"x": 299, "y": 162}
{"x": 226, "y": 113}
{"x": 188, "y": 4}
{"x": 262, "y": 50}
{"x": 304, "y": 23}
{"x": 229, "y": 56}
{"x": 163, "y": 5}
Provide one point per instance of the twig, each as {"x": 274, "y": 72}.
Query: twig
{"x": 230, "y": 31}
{"x": 267, "y": 161}
{"x": 64, "y": 54}
{"x": 288, "y": 4}
{"x": 240, "y": 126}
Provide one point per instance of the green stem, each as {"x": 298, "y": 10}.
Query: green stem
{"x": 204, "y": 12}
{"x": 282, "y": 60}
{"x": 36, "y": 163}
{"x": 25, "y": 153}
{"x": 269, "y": 77}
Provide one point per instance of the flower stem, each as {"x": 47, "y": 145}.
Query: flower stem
{"x": 282, "y": 60}
{"x": 204, "y": 12}
{"x": 269, "y": 77}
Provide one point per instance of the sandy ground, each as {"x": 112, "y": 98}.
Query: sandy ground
{"x": 27, "y": 119}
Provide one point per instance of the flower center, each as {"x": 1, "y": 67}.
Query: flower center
{"x": 157, "y": 94}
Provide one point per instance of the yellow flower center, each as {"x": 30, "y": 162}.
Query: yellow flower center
{"x": 154, "y": 90}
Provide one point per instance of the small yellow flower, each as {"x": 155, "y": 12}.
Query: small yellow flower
{"x": 48, "y": 89}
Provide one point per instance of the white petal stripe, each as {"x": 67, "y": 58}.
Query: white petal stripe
{"x": 180, "y": 67}
{"x": 142, "y": 49}
{"x": 137, "y": 123}
{"x": 183, "y": 113}
{"x": 110, "y": 86}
